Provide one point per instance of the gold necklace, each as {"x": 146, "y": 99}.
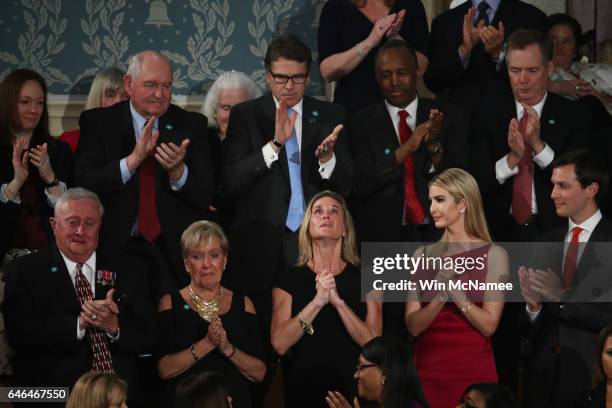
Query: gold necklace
{"x": 207, "y": 309}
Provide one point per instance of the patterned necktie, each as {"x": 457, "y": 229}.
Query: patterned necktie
{"x": 414, "y": 211}
{"x": 523, "y": 181}
{"x": 296, "y": 203}
{"x": 571, "y": 258}
{"x": 483, "y": 6}
{"x": 148, "y": 220}
{"x": 102, "y": 361}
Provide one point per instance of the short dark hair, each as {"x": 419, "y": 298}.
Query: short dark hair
{"x": 397, "y": 44}
{"x": 589, "y": 168}
{"x": 290, "y": 47}
{"x": 10, "y": 89}
{"x": 495, "y": 395}
{"x": 394, "y": 358}
{"x": 521, "y": 39}
{"x": 209, "y": 389}
{"x": 565, "y": 20}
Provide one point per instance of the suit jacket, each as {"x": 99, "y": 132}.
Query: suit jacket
{"x": 572, "y": 326}
{"x": 378, "y": 190}
{"x": 61, "y": 162}
{"x": 564, "y": 126}
{"x": 445, "y": 70}
{"x": 107, "y": 136}
{"x": 41, "y": 308}
{"x": 263, "y": 194}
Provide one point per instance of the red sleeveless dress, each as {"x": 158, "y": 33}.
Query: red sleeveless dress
{"x": 451, "y": 354}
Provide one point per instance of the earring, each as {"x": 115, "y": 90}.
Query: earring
{"x": 462, "y": 210}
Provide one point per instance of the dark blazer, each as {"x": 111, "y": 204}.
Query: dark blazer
{"x": 445, "y": 71}
{"x": 263, "y": 194}
{"x": 61, "y": 161}
{"x": 378, "y": 188}
{"x": 41, "y": 310}
{"x": 564, "y": 126}
{"x": 572, "y": 325}
{"x": 107, "y": 136}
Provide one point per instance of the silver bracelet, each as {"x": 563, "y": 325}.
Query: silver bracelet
{"x": 466, "y": 307}
{"x": 360, "y": 50}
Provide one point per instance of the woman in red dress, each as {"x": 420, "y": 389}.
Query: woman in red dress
{"x": 453, "y": 327}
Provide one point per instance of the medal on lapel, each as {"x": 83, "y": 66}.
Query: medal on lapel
{"x": 105, "y": 278}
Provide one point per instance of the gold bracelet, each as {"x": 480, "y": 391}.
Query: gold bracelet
{"x": 307, "y": 327}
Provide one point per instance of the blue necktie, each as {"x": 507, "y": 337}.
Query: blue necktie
{"x": 296, "y": 204}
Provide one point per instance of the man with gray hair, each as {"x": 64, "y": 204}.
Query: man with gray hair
{"x": 150, "y": 163}
{"x": 70, "y": 308}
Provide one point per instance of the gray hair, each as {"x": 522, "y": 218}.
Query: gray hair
{"x": 226, "y": 81}
{"x": 108, "y": 78}
{"x": 78, "y": 193}
{"x": 136, "y": 60}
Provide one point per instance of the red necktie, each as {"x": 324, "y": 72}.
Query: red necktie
{"x": 522, "y": 182}
{"x": 571, "y": 257}
{"x": 102, "y": 361}
{"x": 148, "y": 220}
{"x": 414, "y": 211}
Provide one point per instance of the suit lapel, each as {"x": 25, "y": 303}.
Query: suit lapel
{"x": 383, "y": 133}
{"x": 548, "y": 121}
{"x": 310, "y": 131}
{"x": 504, "y": 13}
{"x": 128, "y": 138}
{"x": 60, "y": 278}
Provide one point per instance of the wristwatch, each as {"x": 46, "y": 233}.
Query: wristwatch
{"x": 277, "y": 144}
{"x": 54, "y": 183}
{"x": 436, "y": 148}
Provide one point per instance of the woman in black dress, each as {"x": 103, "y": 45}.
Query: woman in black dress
{"x": 206, "y": 327}
{"x": 318, "y": 320}
{"x": 350, "y": 32}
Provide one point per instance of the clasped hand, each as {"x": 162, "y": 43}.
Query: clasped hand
{"x": 518, "y": 142}
{"x": 326, "y": 290}
{"x": 218, "y": 336}
{"x": 100, "y": 314}
{"x": 539, "y": 284}
{"x": 38, "y": 156}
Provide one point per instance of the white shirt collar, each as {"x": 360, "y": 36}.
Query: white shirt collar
{"x": 139, "y": 121}
{"x": 537, "y": 107}
{"x": 297, "y": 107}
{"x": 88, "y": 269}
{"x": 589, "y": 224}
{"x": 411, "y": 108}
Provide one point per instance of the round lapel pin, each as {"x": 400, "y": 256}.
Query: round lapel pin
{"x": 387, "y": 151}
{"x": 54, "y": 269}
{"x": 315, "y": 113}
{"x": 168, "y": 127}
{"x": 551, "y": 121}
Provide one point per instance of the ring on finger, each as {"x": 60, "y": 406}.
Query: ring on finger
{"x": 94, "y": 317}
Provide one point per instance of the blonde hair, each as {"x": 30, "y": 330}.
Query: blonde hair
{"x": 349, "y": 241}
{"x": 109, "y": 78}
{"x": 97, "y": 390}
{"x": 461, "y": 186}
{"x": 202, "y": 231}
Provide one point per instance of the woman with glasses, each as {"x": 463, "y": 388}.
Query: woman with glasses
{"x": 319, "y": 322}
{"x": 385, "y": 375}
{"x": 453, "y": 328}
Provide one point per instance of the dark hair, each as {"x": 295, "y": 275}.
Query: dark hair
{"x": 598, "y": 375}
{"x": 568, "y": 21}
{"x": 10, "y": 89}
{"x": 495, "y": 395}
{"x": 397, "y": 44}
{"x": 394, "y": 358}
{"x": 523, "y": 38}
{"x": 589, "y": 168}
{"x": 290, "y": 47}
{"x": 209, "y": 389}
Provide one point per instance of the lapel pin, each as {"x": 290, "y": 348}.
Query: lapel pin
{"x": 168, "y": 127}
{"x": 54, "y": 269}
{"x": 551, "y": 121}
{"x": 186, "y": 306}
{"x": 315, "y": 113}
{"x": 387, "y": 151}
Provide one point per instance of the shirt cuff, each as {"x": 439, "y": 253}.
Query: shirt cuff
{"x": 51, "y": 199}
{"x": 463, "y": 58}
{"x": 500, "y": 59}
{"x": 532, "y": 315}
{"x": 327, "y": 169}
{"x": 4, "y": 198}
{"x": 80, "y": 333}
{"x": 178, "y": 184}
{"x": 126, "y": 174}
{"x": 269, "y": 154}
{"x": 502, "y": 171}
{"x": 545, "y": 157}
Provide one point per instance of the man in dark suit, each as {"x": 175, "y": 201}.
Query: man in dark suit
{"x": 383, "y": 210}
{"x": 150, "y": 163}
{"x": 280, "y": 150}
{"x": 516, "y": 135}
{"x": 70, "y": 308}
{"x": 467, "y": 46}
{"x": 562, "y": 323}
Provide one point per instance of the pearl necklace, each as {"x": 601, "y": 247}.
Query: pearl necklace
{"x": 207, "y": 309}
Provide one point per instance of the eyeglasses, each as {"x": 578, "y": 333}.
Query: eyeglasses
{"x": 360, "y": 366}
{"x": 283, "y": 79}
